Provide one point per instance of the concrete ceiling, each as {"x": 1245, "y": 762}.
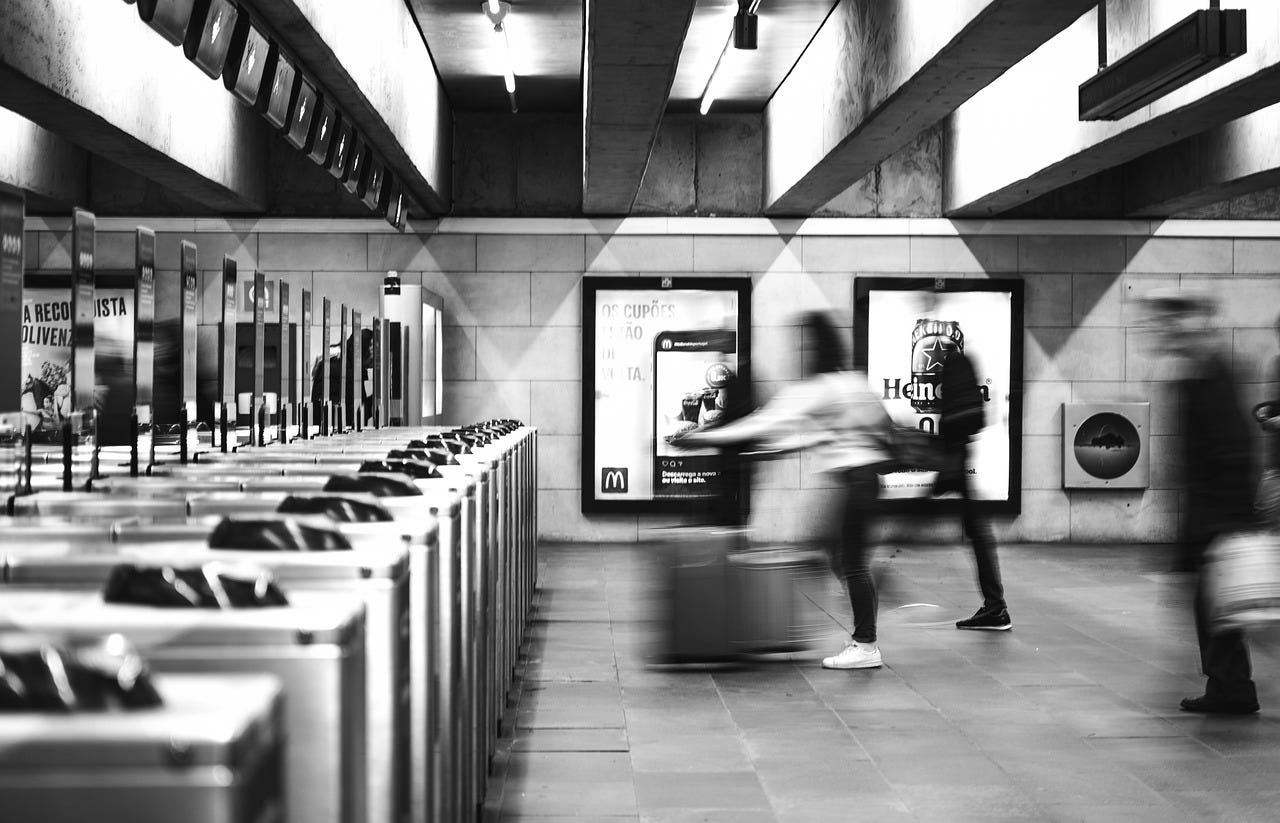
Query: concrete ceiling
{"x": 546, "y": 38}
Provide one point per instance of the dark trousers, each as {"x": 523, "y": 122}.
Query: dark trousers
{"x": 977, "y": 529}
{"x": 852, "y": 528}
{"x": 1224, "y": 657}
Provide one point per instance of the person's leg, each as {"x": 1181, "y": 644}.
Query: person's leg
{"x": 1224, "y": 661}
{"x": 855, "y": 556}
{"x": 861, "y": 489}
{"x": 978, "y": 529}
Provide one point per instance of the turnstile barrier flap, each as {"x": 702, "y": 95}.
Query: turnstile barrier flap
{"x": 164, "y": 486}
{"x": 56, "y": 534}
{"x": 58, "y": 614}
{"x": 103, "y": 673}
{"x": 205, "y": 720}
{"x": 89, "y": 504}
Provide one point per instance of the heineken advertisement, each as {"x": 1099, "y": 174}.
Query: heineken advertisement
{"x": 660, "y": 355}
{"x": 904, "y": 331}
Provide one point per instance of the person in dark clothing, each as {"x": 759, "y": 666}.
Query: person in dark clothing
{"x": 1217, "y": 484}
{"x": 335, "y": 377}
{"x": 962, "y": 416}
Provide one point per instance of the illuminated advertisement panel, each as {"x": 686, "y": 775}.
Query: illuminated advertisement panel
{"x": 659, "y": 355}
{"x": 903, "y": 330}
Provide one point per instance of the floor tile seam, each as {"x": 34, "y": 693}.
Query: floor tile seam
{"x": 617, "y": 669}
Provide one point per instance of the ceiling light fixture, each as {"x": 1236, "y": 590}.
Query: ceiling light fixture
{"x": 1192, "y": 47}
{"x": 497, "y": 11}
{"x": 743, "y": 37}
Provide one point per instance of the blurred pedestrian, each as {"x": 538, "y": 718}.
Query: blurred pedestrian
{"x": 962, "y": 417}
{"x": 1217, "y": 482}
{"x": 832, "y": 412}
{"x": 1268, "y": 416}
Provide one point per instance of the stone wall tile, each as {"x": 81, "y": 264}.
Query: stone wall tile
{"x": 855, "y": 254}
{"x": 777, "y": 299}
{"x": 1047, "y": 300}
{"x": 555, "y": 299}
{"x": 1041, "y": 461}
{"x": 459, "y": 353}
{"x": 528, "y": 353}
{"x": 745, "y": 254}
{"x": 1046, "y": 253}
{"x": 469, "y": 400}
{"x": 1256, "y": 256}
{"x": 1124, "y": 516}
{"x": 947, "y": 255}
{"x": 358, "y": 290}
{"x": 1045, "y": 516}
{"x": 419, "y": 252}
{"x": 1245, "y": 301}
{"x": 210, "y": 248}
{"x": 336, "y": 252}
{"x": 520, "y": 252}
{"x": 775, "y": 353}
{"x": 560, "y": 517}
{"x": 559, "y": 462}
{"x": 1178, "y": 255}
{"x": 481, "y": 298}
{"x": 555, "y": 406}
{"x": 1042, "y": 406}
{"x": 1074, "y": 354}
{"x": 1096, "y": 299}
{"x": 632, "y": 253}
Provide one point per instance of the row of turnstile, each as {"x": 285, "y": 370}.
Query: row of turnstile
{"x": 408, "y": 561}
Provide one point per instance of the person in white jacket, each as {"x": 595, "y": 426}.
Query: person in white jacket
{"x": 833, "y": 413}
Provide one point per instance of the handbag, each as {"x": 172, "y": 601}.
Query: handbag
{"x": 1242, "y": 579}
{"x": 911, "y": 449}
{"x": 1267, "y": 503}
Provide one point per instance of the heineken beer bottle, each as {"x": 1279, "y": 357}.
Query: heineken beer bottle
{"x": 931, "y": 340}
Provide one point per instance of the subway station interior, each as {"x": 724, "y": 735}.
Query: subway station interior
{"x": 506, "y": 411}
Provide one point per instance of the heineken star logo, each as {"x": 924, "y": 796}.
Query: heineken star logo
{"x": 929, "y": 351}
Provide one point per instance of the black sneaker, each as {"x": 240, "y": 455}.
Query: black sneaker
{"x": 1210, "y": 705}
{"x": 988, "y": 620}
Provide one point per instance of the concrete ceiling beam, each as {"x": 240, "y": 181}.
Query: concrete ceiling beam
{"x": 630, "y": 59}
{"x": 96, "y": 75}
{"x": 1237, "y": 158}
{"x": 370, "y": 57}
{"x": 42, "y": 163}
{"x": 1020, "y": 138}
{"x": 878, "y": 74}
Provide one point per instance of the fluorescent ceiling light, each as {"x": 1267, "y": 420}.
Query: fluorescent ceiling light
{"x": 497, "y": 11}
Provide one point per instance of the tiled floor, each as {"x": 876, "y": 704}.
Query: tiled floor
{"x": 1072, "y": 716}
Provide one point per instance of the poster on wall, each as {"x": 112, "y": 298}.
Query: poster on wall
{"x": 658, "y": 357}
{"x": 903, "y": 330}
{"x": 46, "y": 355}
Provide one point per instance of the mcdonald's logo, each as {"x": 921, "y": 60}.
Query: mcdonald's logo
{"x": 614, "y": 480}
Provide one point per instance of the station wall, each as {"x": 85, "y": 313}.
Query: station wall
{"x": 512, "y": 291}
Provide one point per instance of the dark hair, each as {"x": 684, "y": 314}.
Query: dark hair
{"x": 824, "y": 342}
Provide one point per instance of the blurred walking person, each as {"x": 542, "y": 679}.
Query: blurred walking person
{"x": 1217, "y": 483}
{"x": 961, "y": 418}
{"x": 833, "y": 413}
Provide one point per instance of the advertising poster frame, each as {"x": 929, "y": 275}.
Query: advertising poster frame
{"x": 638, "y": 313}
{"x": 893, "y": 318}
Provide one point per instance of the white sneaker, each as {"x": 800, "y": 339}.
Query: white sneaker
{"x": 854, "y": 656}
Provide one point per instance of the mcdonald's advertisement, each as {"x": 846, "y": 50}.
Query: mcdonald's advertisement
{"x": 905, "y": 331}
{"x": 46, "y": 361}
{"x": 658, "y": 361}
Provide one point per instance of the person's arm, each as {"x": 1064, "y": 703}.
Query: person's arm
{"x": 783, "y": 416}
